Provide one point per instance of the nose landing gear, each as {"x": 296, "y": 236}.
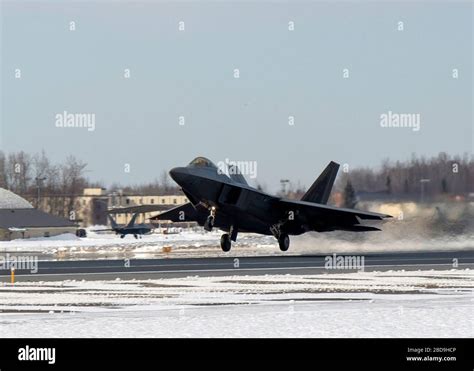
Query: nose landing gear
{"x": 209, "y": 223}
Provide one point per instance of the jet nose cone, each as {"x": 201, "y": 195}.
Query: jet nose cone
{"x": 178, "y": 174}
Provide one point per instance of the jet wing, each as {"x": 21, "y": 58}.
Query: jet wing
{"x": 183, "y": 213}
{"x": 192, "y": 213}
{"x": 326, "y": 218}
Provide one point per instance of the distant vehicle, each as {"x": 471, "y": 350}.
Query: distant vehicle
{"x": 227, "y": 202}
{"x": 81, "y": 232}
{"x": 131, "y": 228}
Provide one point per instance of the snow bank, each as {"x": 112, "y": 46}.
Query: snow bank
{"x": 364, "y": 304}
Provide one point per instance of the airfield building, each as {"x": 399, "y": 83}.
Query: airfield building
{"x": 19, "y": 219}
{"x": 119, "y": 201}
{"x": 90, "y": 207}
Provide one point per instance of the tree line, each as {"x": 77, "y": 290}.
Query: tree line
{"x": 35, "y": 177}
{"x": 419, "y": 178}
{"x": 25, "y": 174}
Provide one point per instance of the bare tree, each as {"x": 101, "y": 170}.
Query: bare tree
{"x": 18, "y": 172}
{"x": 73, "y": 181}
{"x": 3, "y": 171}
{"x": 454, "y": 174}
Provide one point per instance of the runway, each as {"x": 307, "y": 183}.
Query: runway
{"x": 222, "y": 266}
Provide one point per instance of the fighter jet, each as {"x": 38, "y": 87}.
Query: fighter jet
{"x": 130, "y": 228}
{"x": 228, "y": 202}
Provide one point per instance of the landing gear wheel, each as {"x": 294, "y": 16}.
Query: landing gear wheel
{"x": 226, "y": 244}
{"x": 284, "y": 242}
{"x": 209, "y": 224}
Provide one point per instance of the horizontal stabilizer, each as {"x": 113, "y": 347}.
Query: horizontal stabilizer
{"x": 337, "y": 214}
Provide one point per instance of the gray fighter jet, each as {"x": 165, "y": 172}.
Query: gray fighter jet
{"x": 228, "y": 202}
{"x": 131, "y": 228}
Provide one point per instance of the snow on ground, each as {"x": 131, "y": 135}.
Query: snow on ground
{"x": 198, "y": 243}
{"x": 108, "y": 245}
{"x": 363, "y": 304}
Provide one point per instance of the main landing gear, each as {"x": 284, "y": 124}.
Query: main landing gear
{"x": 283, "y": 238}
{"x": 284, "y": 242}
{"x": 226, "y": 244}
{"x": 227, "y": 238}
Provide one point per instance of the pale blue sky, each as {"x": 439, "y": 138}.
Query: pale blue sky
{"x": 190, "y": 73}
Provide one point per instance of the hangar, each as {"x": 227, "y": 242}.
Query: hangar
{"x": 19, "y": 219}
